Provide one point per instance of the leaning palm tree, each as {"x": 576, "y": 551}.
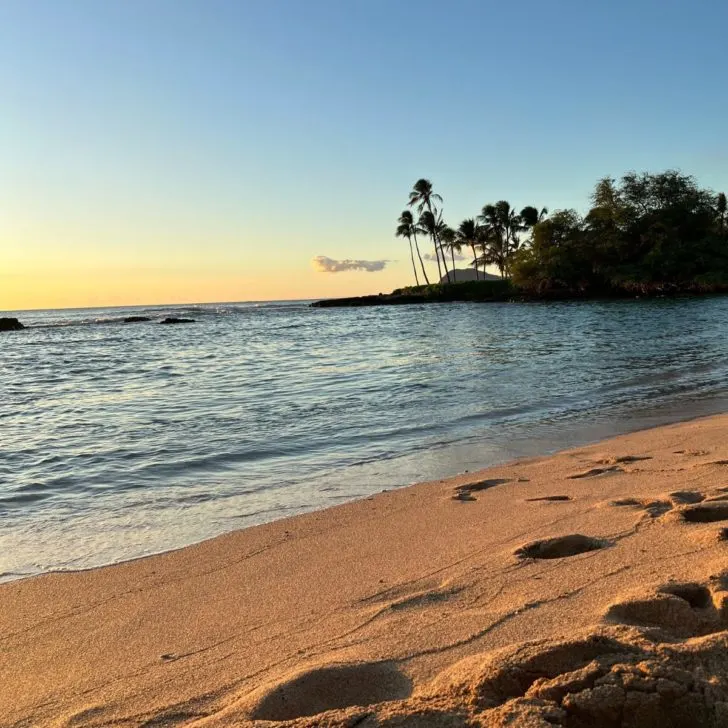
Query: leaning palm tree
{"x": 423, "y": 197}
{"x": 469, "y": 233}
{"x": 406, "y": 228}
{"x": 432, "y": 225}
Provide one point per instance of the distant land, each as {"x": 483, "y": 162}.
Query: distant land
{"x": 491, "y": 291}
{"x": 646, "y": 235}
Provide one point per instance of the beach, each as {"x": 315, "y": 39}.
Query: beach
{"x": 584, "y": 588}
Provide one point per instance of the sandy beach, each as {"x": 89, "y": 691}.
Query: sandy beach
{"x": 589, "y": 588}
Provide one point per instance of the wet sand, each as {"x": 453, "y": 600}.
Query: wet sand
{"x": 589, "y": 588}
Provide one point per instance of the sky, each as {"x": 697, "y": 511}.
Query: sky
{"x": 165, "y": 151}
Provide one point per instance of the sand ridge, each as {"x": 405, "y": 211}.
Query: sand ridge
{"x": 585, "y": 589}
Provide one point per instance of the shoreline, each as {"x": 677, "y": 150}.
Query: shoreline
{"x": 401, "y": 586}
{"x": 503, "y": 291}
{"x": 662, "y": 421}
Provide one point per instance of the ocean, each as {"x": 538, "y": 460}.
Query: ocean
{"x": 119, "y": 440}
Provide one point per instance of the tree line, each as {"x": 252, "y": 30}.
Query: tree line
{"x": 643, "y": 230}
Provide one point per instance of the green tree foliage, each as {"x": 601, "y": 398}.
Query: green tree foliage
{"x": 424, "y": 199}
{"x": 646, "y": 232}
{"x": 406, "y": 228}
{"x": 449, "y": 241}
{"x": 431, "y": 223}
{"x": 469, "y": 235}
{"x": 501, "y": 226}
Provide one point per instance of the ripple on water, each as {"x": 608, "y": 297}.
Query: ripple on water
{"x": 121, "y": 440}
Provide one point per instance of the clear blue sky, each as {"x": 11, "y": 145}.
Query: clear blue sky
{"x": 208, "y": 149}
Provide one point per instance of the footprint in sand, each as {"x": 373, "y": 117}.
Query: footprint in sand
{"x": 705, "y": 512}
{"x": 594, "y": 472}
{"x": 653, "y": 507}
{"x": 465, "y": 492}
{"x": 330, "y": 687}
{"x": 607, "y": 678}
{"x": 609, "y": 465}
{"x": 685, "y": 497}
{"x": 425, "y": 599}
{"x": 560, "y": 547}
{"x": 625, "y": 459}
{"x": 550, "y": 498}
{"x": 658, "y": 506}
{"x": 686, "y": 609}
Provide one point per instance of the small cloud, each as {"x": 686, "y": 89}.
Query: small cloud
{"x": 328, "y": 265}
{"x": 431, "y": 257}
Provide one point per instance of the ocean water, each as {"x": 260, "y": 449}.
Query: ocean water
{"x": 119, "y": 440}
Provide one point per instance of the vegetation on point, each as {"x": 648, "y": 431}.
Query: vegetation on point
{"x": 647, "y": 233}
{"x": 494, "y": 290}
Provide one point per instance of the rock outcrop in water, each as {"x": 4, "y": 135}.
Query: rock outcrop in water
{"x": 136, "y": 319}
{"x": 175, "y": 320}
{"x": 10, "y": 324}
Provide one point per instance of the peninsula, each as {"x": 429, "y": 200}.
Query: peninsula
{"x": 648, "y": 234}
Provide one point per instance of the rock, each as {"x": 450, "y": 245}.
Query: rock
{"x": 175, "y": 320}
{"x": 136, "y": 319}
{"x": 10, "y": 324}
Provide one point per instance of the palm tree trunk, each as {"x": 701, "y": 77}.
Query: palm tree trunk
{"x": 414, "y": 267}
{"x": 435, "y": 241}
{"x": 444, "y": 263}
{"x": 437, "y": 257}
{"x": 454, "y": 275}
{"x": 422, "y": 265}
{"x": 475, "y": 263}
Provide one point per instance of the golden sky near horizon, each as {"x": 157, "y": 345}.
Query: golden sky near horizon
{"x": 70, "y": 284}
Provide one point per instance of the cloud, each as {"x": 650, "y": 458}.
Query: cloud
{"x": 431, "y": 257}
{"x": 328, "y": 265}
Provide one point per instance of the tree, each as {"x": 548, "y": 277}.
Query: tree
{"x": 645, "y": 233}
{"x": 406, "y": 228}
{"x": 721, "y": 210}
{"x": 492, "y": 239}
{"x": 432, "y": 225}
{"x": 531, "y": 216}
{"x": 556, "y": 258}
{"x": 469, "y": 233}
{"x": 501, "y": 225}
{"x": 448, "y": 239}
{"x": 423, "y": 197}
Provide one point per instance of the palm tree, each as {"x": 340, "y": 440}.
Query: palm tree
{"x": 512, "y": 224}
{"x": 448, "y": 239}
{"x": 721, "y": 210}
{"x": 406, "y": 228}
{"x": 423, "y": 197}
{"x": 432, "y": 225}
{"x": 531, "y": 216}
{"x": 502, "y": 225}
{"x": 469, "y": 233}
{"x": 492, "y": 239}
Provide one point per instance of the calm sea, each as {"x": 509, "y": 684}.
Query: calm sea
{"x": 118, "y": 440}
